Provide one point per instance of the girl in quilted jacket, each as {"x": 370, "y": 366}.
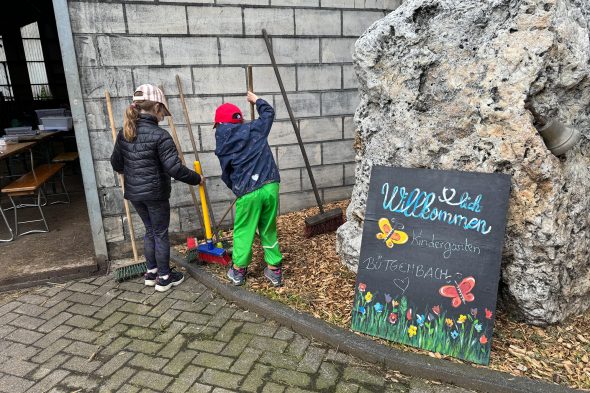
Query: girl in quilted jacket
{"x": 147, "y": 157}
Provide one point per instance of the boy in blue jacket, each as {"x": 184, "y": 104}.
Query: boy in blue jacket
{"x": 250, "y": 171}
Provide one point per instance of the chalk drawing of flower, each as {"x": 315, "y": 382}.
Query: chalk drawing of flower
{"x": 387, "y": 298}
{"x": 392, "y": 318}
{"x": 462, "y": 318}
{"x": 436, "y": 310}
{"x": 378, "y": 307}
{"x": 362, "y": 287}
{"x": 420, "y": 319}
{"x": 409, "y": 314}
{"x": 454, "y": 334}
{"x": 474, "y": 312}
{"x": 369, "y": 296}
{"x": 483, "y": 340}
{"x": 488, "y": 314}
{"x": 362, "y": 310}
{"x": 477, "y": 327}
{"x": 449, "y": 322}
{"x": 412, "y": 331}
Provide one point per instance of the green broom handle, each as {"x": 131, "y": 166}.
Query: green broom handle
{"x": 295, "y": 127}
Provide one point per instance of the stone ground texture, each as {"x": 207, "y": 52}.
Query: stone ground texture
{"x": 94, "y": 335}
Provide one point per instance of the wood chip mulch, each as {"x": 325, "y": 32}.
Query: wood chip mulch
{"x": 316, "y": 282}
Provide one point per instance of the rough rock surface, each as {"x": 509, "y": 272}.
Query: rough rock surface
{"x": 453, "y": 84}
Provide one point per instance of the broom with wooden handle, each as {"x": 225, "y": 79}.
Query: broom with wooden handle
{"x": 191, "y": 242}
{"x": 183, "y": 161}
{"x": 193, "y": 143}
{"x": 250, "y": 83}
{"x": 138, "y": 268}
{"x": 324, "y": 221}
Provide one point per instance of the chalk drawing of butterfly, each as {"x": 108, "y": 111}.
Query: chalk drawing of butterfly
{"x": 460, "y": 293}
{"x": 389, "y": 234}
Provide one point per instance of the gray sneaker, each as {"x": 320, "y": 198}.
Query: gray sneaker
{"x": 237, "y": 276}
{"x": 275, "y": 276}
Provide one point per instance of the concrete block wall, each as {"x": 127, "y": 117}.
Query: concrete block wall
{"x": 123, "y": 43}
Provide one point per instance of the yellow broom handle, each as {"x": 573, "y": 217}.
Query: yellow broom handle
{"x": 206, "y": 218}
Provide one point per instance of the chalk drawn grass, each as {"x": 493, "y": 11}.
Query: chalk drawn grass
{"x": 464, "y": 336}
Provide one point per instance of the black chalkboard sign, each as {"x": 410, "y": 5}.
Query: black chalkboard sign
{"x": 430, "y": 259}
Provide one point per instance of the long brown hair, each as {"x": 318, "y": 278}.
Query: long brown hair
{"x": 132, "y": 114}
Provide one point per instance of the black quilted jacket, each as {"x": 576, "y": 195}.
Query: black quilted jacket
{"x": 149, "y": 161}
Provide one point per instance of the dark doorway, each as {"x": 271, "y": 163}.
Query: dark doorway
{"x": 34, "y": 109}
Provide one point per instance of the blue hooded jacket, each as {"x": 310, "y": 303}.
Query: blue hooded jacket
{"x": 244, "y": 154}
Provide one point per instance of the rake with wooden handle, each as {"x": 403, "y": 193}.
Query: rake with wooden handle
{"x": 138, "y": 268}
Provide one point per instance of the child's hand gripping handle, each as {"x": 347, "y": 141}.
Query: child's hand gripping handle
{"x": 206, "y": 219}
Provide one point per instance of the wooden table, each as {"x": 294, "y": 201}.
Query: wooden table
{"x": 15, "y": 148}
{"x": 39, "y": 137}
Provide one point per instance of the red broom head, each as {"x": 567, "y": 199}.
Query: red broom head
{"x": 223, "y": 259}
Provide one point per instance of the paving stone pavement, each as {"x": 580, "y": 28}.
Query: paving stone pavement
{"x": 95, "y": 335}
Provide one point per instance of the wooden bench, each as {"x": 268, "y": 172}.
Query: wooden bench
{"x": 66, "y": 157}
{"x": 32, "y": 184}
{"x": 28, "y": 184}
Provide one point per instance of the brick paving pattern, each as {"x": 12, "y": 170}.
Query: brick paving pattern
{"x": 95, "y": 335}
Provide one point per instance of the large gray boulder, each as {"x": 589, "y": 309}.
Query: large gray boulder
{"x": 454, "y": 84}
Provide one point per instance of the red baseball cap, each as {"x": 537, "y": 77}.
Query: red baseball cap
{"x": 228, "y": 113}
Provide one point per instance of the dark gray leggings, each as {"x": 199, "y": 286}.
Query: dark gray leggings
{"x": 156, "y": 244}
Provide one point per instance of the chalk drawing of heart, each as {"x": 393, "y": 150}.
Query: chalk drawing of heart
{"x": 255, "y": 177}
{"x": 402, "y": 284}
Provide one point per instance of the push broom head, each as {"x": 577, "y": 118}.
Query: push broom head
{"x": 208, "y": 254}
{"x": 324, "y": 222}
{"x": 131, "y": 271}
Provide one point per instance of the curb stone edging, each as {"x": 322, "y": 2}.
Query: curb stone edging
{"x": 413, "y": 364}
{"x": 53, "y": 276}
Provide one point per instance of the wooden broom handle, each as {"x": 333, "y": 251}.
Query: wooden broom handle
{"x": 194, "y": 144}
{"x": 181, "y": 156}
{"x": 251, "y": 88}
{"x": 125, "y": 202}
{"x": 293, "y": 121}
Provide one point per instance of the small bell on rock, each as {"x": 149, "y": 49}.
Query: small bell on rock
{"x": 558, "y": 137}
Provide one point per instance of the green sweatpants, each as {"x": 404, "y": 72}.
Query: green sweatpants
{"x": 257, "y": 210}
